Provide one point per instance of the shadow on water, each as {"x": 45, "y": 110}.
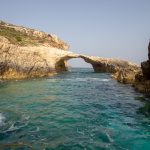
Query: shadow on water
{"x": 145, "y": 110}
{"x": 16, "y": 146}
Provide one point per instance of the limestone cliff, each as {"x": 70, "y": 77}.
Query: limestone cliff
{"x": 23, "y": 36}
{"x": 123, "y": 71}
{"x": 26, "y": 53}
{"x": 30, "y": 61}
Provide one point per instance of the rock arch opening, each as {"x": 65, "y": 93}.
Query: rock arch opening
{"x": 78, "y": 63}
{"x": 61, "y": 65}
{"x": 65, "y": 63}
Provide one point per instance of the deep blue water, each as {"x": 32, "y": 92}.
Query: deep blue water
{"x": 76, "y": 110}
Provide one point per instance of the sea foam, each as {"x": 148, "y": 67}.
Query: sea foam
{"x": 2, "y": 118}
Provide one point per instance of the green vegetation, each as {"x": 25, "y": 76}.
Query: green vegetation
{"x": 21, "y": 38}
{"x": 17, "y": 37}
{"x": 2, "y": 23}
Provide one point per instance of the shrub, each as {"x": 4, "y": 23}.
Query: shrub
{"x": 18, "y": 38}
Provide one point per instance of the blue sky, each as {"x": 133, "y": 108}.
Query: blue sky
{"x": 106, "y": 28}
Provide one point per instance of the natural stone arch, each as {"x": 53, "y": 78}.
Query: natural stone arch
{"x": 61, "y": 64}
{"x": 123, "y": 71}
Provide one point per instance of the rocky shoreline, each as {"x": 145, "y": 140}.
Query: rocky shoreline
{"x": 33, "y": 54}
{"x": 142, "y": 80}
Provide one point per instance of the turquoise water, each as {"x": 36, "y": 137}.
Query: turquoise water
{"x": 76, "y": 110}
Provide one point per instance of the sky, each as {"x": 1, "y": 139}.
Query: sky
{"x": 105, "y": 28}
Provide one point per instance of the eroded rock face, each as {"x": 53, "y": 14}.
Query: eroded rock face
{"x": 146, "y": 69}
{"x": 17, "y": 62}
{"x": 123, "y": 71}
{"x": 146, "y": 65}
{"x": 142, "y": 81}
{"x": 27, "y": 62}
{"x": 26, "y": 53}
{"x": 34, "y": 53}
{"x": 26, "y": 36}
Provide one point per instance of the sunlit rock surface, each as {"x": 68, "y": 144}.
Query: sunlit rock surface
{"x": 31, "y": 61}
{"x": 26, "y": 53}
{"x": 122, "y": 70}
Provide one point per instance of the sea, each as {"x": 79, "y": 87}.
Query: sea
{"x": 74, "y": 110}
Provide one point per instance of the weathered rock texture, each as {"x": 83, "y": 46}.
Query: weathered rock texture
{"x": 23, "y": 36}
{"x": 123, "y": 71}
{"x": 26, "y": 53}
{"x": 146, "y": 65}
{"x": 142, "y": 82}
{"x": 31, "y": 61}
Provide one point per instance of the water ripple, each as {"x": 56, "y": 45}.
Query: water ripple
{"x": 77, "y": 110}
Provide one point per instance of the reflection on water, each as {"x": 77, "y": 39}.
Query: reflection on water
{"x": 77, "y": 110}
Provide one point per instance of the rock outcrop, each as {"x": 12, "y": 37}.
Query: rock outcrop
{"x": 122, "y": 70}
{"x": 26, "y": 53}
{"x": 24, "y": 36}
{"x": 146, "y": 65}
{"x": 31, "y": 61}
{"x": 142, "y": 82}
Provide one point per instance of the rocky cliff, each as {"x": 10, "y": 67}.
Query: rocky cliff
{"x": 142, "y": 82}
{"x": 123, "y": 71}
{"x": 26, "y": 53}
{"x": 23, "y": 36}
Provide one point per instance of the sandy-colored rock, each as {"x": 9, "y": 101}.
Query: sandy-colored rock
{"x": 20, "y": 58}
{"x": 142, "y": 81}
{"x": 122, "y": 70}
{"x": 26, "y": 53}
{"x": 31, "y": 61}
{"x": 37, "y": 37}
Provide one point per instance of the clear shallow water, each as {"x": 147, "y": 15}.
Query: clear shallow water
{"x": 78, "y": 110}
